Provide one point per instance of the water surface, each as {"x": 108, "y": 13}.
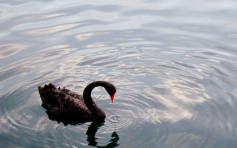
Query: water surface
{"x": 173, "y": 63}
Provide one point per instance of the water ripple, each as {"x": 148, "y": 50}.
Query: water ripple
{"x": 8, "y": 50}
{"x": 118, "y": 120}
{"x": 174, "y": 67}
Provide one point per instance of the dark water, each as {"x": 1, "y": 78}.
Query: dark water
{"x": 173, "y": 63}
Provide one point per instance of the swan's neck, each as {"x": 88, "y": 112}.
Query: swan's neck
{"x": 95, "y": 110}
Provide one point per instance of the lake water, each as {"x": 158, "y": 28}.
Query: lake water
{"x": 174, "y": 64}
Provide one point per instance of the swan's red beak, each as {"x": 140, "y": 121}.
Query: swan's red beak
{"x": 112, "y": 98}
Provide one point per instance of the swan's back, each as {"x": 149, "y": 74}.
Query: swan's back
{"x": 64, "y": 103}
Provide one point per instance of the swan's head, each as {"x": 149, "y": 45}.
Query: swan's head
{"x": 110, "y": 88}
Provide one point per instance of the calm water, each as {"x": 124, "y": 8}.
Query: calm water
{"x": 173, "y": 63}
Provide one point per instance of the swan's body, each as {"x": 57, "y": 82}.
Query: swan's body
{"x": 66, "y": 104}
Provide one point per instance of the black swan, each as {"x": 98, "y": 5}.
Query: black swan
{"x": 62, "y": 103}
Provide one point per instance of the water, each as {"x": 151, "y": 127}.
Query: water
{"x": 173, "y": 63}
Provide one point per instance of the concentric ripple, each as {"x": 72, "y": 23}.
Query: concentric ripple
{"x": 115, "y": 118}
{"x": 117, "y": 121}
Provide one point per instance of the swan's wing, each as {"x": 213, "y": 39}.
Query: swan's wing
{"x": 64, "y": 103}
{"x": 71, "y": 93}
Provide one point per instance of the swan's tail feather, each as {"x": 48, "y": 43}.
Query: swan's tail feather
{"x": 45, "y": 93}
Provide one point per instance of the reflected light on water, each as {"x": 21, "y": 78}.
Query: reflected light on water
{"x": 50, "y": 30}
{"x": 86, "y": 36}
{"x": 8, "y": 50}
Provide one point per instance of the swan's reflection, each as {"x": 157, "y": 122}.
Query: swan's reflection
{"x": 92, "y": 129}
